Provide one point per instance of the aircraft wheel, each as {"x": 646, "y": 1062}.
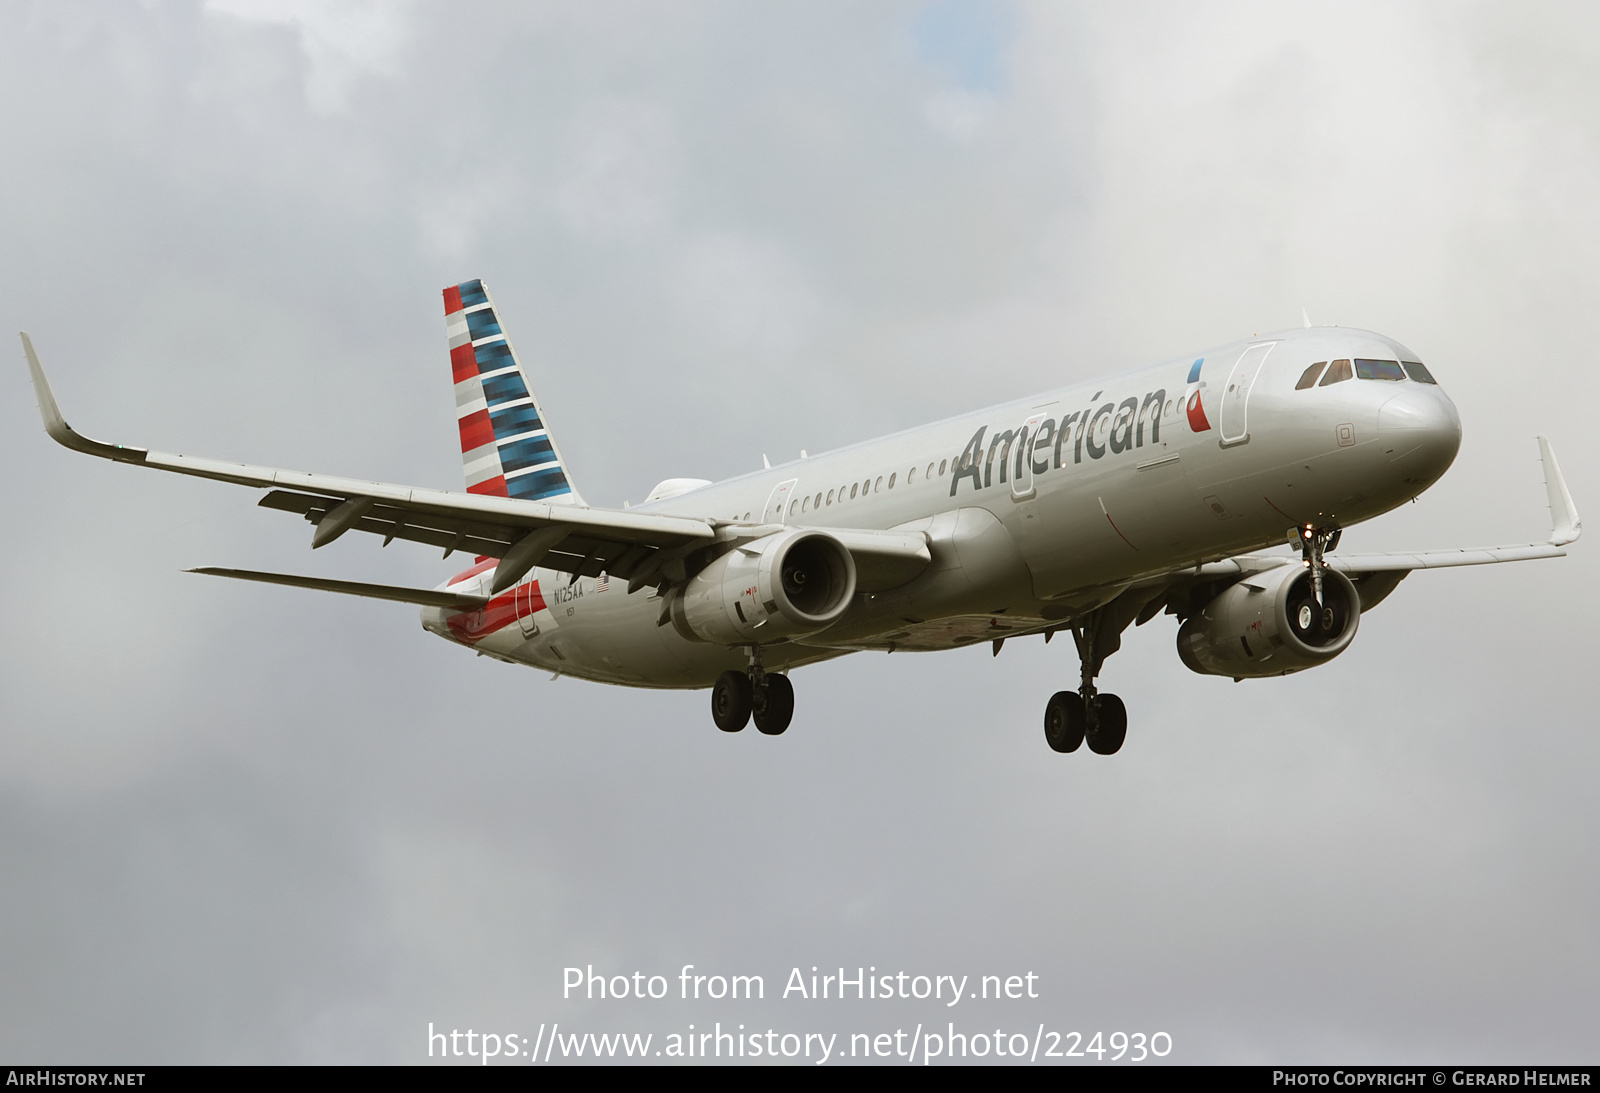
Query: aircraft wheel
{"x": 774, "y": 705}
{"x": 1064, "y": 721}
{"x": 730, "y": 701}
{"x": 1112, "y": 728}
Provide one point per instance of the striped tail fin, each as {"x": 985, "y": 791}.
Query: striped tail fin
{"x": 506, "y": 446}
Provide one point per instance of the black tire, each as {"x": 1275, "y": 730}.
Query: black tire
{"x": 774, "y": 705}
{"x": 730, "y": 701}
{"x": 1106, "y": 737}
{"x": 1063, "y": 721}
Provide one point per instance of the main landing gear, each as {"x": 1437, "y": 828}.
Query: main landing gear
{"x": 738, "y": 696}
{"x": 1072, "y": 718}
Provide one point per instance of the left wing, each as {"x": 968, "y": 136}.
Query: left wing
{"x": 1376, "y": 575}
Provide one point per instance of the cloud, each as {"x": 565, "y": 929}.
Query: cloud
{"x": 343, "y": 41}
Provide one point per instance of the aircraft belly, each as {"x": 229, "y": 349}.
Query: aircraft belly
{"x": 600, "y": 633}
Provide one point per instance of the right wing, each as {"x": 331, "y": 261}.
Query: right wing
{"x": 567, "y": 537}
{"x": 641, "y": 548}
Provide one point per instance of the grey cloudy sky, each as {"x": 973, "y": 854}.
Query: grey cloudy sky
{"x": 256, "y": 824}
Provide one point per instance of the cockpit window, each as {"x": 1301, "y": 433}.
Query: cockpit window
{"x": 1338, "y": 372}
{"x": 1415, "y": 370}
{"x": 1379, "y": 370}
{"x": 1309, "y": 377}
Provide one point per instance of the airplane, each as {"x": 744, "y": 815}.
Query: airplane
{"x": 1086, "y": 509}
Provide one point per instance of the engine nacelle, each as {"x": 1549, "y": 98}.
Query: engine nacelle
{"x": 1269, "y": 624}
{"x": 783, "y": 586}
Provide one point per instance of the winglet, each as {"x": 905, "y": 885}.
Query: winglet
{"x": 57, "y": 426}
{"x": 1565, "y": 524}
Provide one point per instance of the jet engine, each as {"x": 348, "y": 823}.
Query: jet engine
{"x": 1270, "y": 624}
{"x": 783, "y": 586}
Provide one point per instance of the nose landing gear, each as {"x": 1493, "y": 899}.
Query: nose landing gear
{"x": 737, "y": 696}
{"x": 1314, "y": 542}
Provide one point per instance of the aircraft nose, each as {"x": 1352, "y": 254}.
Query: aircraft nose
{"x": 1421, "y": 432}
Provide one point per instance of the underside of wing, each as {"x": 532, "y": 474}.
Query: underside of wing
{"x": 587, "y": 547}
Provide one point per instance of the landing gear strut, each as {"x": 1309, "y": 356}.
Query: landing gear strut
{"x": 739, "y": 695}
{"x": 1314, "y": 542}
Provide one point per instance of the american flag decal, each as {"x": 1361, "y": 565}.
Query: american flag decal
{"x": 506, "y": 448}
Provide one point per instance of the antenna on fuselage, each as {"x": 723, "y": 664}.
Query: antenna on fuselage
{"x": 764, "y": 464}
{"x": 1306, "y": 317}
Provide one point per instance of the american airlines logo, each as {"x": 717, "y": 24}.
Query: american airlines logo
{"x": 1112, "y": 428}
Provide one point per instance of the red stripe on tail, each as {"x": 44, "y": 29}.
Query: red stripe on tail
{"x": 493, "y": 487}
{"x": 476, "y": 431}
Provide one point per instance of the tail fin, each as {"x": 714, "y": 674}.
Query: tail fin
{"x": 506, "y": 447}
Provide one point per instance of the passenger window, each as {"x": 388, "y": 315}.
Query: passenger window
{"x": 830, "y": 497}
{"x": 818, "y": 502}
{"x": 941, "y": 468}
{"x": 792, "y": 506}
{"x": 852, "y": 491}
{"x": 911, "y": 476}
{"x": 1379, "y": 370}
{"x": 892, "y": 477}
{"x": 1415, "y": 370}
{"x": 1338, "y": 372}
{"x": 1308, "y": 378}
{"x": 805, "y": 504}
{"x": 866, "y": 487}
{"x": 879, "y": 486}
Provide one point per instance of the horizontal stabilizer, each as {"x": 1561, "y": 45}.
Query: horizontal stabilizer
{"x": 423, "y": 596}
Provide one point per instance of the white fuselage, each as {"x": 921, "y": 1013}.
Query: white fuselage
{"x": 1035, "y": 510}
